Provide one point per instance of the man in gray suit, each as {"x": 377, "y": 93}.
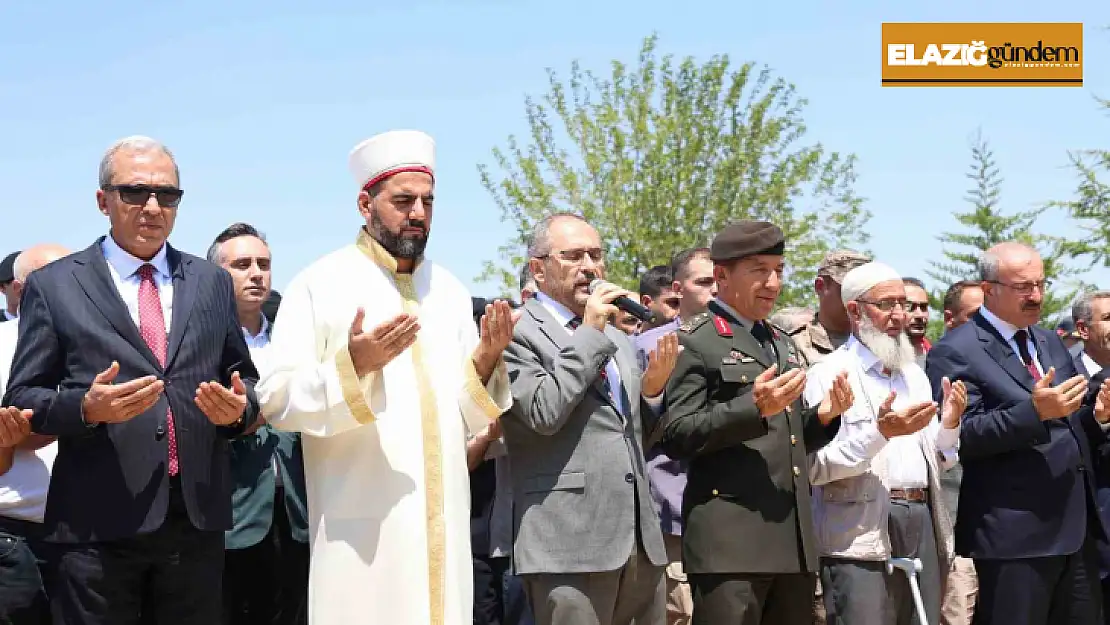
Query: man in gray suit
{"x": 587, "y": 540}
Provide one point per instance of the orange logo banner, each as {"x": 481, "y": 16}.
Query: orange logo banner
{"x": 983, "y": 55}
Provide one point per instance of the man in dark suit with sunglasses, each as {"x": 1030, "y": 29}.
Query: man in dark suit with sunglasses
{"x": 130, "y": 352}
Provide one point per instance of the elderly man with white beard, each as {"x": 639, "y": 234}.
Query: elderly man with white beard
{"x": 876, "y": 488}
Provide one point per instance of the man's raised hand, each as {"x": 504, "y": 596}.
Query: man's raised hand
{"x": 222, "y": 405}
{"x": 15, "y": 426}
{"x": 1102, "y": 402}
{"x": 496, "y": 329}
{"x": 772, "y": 394}
{"x": 661, "y": 364}
{"x": 954, "y": 404}
{"x": 1054, "y": 402}
{"x": 839, "y": 398}
{"x": 106, "y": 402}
{"x": 906, "y": 421}
{"x": 370, "y": 351}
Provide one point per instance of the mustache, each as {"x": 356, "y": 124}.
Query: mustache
{"x": 415, "y": 223}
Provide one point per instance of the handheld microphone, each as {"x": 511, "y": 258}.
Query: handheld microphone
{"x": 634, "y": 308}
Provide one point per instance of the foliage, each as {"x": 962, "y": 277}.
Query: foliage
{"x": 987, "y": 224}
{"x": 661, "y": 156}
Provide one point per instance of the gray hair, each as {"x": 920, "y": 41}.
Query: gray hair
{"x": 1082, "y": 309}
{"x": 991, "y": 259}
{"x": 135, "y": 143}
{"x": 21, "y": 268}
{"x": 539, "y": 244}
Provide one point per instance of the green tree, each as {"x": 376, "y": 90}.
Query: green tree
{"x": 661, "y": 156}
{"x": 987, "y": 225}
{"x": 1091, "y": 206}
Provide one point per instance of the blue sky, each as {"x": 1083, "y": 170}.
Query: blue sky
{"x": 262, "y": 101}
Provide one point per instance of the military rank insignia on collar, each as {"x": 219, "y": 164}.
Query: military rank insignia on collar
{"x": 722, "y": 326}
{"x": 696, "y": 322}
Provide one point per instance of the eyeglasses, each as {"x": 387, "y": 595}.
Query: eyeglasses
{"x": 917, "y": 306}
{"x": 139, "y": 194}
{"x": 577, "y": 256}
{"x": 886, "y": 305}
{"x": 1025, "y": 288}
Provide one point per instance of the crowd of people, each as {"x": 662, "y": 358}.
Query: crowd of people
{"x": 181, "y": 444}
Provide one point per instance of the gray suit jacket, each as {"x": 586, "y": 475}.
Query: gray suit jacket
{"x": 578, "y": 464}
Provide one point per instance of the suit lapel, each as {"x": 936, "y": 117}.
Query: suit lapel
{"x": 96, "y": 280}
{"x": 184, "y": 295}
{"x": 546, "y": 323}
{"x": 999, "y": 349}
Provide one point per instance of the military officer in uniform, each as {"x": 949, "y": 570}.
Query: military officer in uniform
{"x": 829, "y": 327}
{"x": 736, "y": 414}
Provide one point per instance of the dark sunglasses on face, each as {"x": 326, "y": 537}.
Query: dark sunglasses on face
{"x": 139, "y": 194}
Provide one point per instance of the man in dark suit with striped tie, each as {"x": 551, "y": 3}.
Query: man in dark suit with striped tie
{"x": 1027, "y": 514}
{"x": 130, "y": 352}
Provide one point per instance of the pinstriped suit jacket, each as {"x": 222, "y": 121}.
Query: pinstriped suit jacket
{"x": 111, "y": 481}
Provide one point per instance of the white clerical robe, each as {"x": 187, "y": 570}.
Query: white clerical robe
{"x": 385, "y": 456}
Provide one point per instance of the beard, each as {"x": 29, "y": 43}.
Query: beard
{"x": 399, "y": 245}
{"x": 894, "y": 353}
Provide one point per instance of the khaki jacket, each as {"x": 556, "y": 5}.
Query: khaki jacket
{"x": 814, "y": 343}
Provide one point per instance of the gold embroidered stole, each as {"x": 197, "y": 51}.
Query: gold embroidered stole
{"x": 435, "y": 523}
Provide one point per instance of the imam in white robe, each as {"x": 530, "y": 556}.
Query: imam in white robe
{"x": 385, "y": 457}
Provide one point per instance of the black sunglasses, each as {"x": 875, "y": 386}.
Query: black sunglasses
{"x": 139, "y": 194}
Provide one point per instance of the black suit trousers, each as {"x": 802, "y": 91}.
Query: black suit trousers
{"x": 172, "y": 575}
{"x": 753, "y": 599}
{"x": 1054, "y": 590}
{"x": 267, "y": 583}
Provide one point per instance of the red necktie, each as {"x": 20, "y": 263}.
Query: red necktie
{"x": 152, "y": 327}
{"x": 1021, "y": 337}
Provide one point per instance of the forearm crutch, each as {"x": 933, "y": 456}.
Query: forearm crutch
{"x": 911, "y": 567}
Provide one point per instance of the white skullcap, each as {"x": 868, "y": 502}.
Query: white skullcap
{"x": 864, "y": 278}
{"x": 389, "y": 153}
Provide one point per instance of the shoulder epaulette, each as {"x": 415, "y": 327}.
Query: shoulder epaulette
{"x": 779, "y": 329}
{"x": 693, "y": 323}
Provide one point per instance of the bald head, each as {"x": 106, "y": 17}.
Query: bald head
{"x": 37, "y": 257}
{"x": 1013, "y": 282}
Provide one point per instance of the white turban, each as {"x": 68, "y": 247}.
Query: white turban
{"x": 864, "y": 278}
{"x": 389, "y": 153}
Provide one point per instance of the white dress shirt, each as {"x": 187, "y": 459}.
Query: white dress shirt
{"x": 124, "y": 268}
{"x": 1092, "y": 366}
{"x": 259, "y": 346}
{"x": 23, "y": 488}
{"x": 858, "y": 443}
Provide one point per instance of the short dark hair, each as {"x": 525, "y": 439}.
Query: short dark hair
{"x": 915, "y": 282}
{"x": 956, "y": 291}
{"x": 656, "y": 280}
{"x": 680, "y": 264}
{"x": 234, "y": 231}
